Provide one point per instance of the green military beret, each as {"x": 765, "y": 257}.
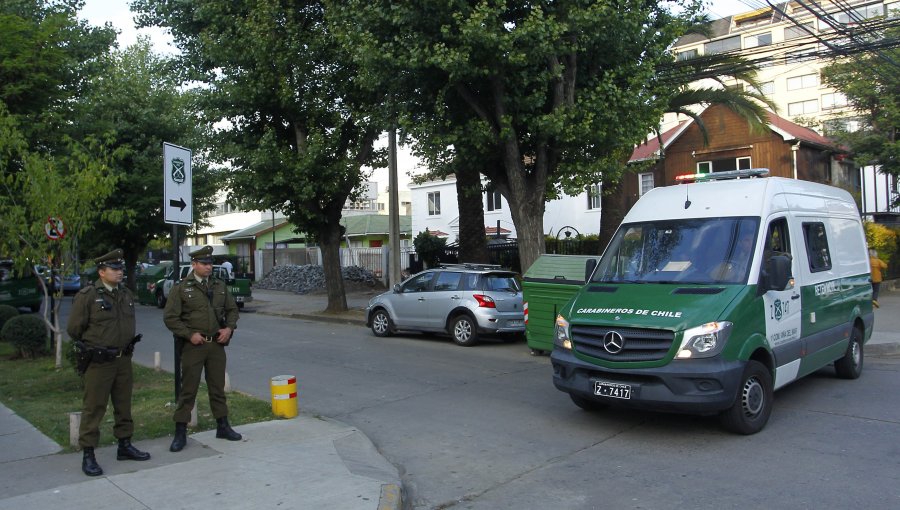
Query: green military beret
{"x": 111, "y": 260}
{"x": 203, "y": 255}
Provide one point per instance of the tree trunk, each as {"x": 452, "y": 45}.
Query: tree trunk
{"x": 472, "y": 240}
{"x": 528, "y": 217}
{"x": 330, "y": 243}
{"x": 612, "y": 211}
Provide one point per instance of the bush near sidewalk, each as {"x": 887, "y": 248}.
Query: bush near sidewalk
{"x": 43, "y": 395}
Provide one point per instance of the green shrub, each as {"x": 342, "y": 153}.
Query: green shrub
{"x": 429, "y": 247}
{"x": 6, "y": 313}
{"x": 27, "y": 333}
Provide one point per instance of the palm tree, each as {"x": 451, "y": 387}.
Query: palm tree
{"x": 746, "y": 100}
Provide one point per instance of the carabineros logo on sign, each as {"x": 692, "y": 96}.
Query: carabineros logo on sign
{"x": 178, "y": 170}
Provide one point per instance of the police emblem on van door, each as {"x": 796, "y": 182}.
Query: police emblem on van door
{"x": 613, "y": 342}
{"x": 178, "y": 170}
{"x": 777, "y": 309}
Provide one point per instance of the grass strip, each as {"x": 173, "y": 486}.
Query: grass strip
{"x": 44, "y": 396}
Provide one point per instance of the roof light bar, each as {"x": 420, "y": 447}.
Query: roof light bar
{"x": 721, "y": 176}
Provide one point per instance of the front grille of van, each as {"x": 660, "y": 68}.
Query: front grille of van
{"x": 639, "y": 344}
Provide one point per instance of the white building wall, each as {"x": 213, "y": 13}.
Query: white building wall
{"x": 567, "y": 211}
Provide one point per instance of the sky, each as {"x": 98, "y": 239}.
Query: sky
{"x": 117, "y": 12}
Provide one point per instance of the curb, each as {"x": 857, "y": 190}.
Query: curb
{"x": 883, "y": 349}
{"x": 318, "y": 317}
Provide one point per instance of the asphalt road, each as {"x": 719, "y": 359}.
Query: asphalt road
{"x": 484, "y": 428}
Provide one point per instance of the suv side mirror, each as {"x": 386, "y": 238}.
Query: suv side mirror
{"x": 396, "y": 288}
{"x": 777, "y": 273}
{"x": 589, "y": 266}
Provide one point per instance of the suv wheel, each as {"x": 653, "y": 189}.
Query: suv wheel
{"x": 160, "y": 300}
{"x": 464, "y": 331}
{"x": 381, "y": 323}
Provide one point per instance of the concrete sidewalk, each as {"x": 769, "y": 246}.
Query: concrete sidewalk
{"x": 304, "y": 462}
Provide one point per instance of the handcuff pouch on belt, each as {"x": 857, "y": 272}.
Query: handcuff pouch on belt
{"x": 85, "y": 355}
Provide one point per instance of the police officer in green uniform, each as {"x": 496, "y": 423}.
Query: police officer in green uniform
{"x": 202, "y": 314}
{"x": 102, "y": 326}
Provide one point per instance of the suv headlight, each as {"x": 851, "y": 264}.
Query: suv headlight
{"x": 561, "y": 338}
{"x": 704, "y": 341}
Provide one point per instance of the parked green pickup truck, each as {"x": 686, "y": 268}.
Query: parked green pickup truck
{"x": 239, "y": 287}
{"x": 19, "y": 292}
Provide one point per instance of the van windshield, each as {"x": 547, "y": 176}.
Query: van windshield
{"x": 699, "y": 251}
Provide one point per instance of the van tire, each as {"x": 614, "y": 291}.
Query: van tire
{"x": 160, "y": 300}
{"x": 381, "y": 323}
{"x": 851, "y": 365}
{"x": 587, "y": 404}
{"x": 464, "y": 331}
{"x": 753, "y": 403}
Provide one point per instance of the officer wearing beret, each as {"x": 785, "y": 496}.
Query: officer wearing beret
{"x": 202, "y": 314}
{"x": 102, "y": 325}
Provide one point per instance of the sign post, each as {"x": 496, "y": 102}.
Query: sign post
{"x": 178, "y": 209}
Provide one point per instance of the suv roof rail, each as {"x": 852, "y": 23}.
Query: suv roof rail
{"x": 721, "y": 176}
{"x": 473, "y": 266}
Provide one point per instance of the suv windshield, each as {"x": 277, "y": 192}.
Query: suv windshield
{"x": 700, "y": 251}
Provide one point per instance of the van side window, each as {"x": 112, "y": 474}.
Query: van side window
{"x": 817, "y": 246}
{"x": 778, "y": 241}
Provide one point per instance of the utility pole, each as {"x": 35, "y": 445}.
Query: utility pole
{"x": 393, "y": 210}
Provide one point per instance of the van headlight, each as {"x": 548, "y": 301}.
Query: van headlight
{"x": 561, "y": 338}
{"x": 704, "y": 341}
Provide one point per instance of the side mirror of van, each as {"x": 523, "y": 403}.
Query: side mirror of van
{"x": 777, "y": 273}
{"x": 396, "y": 288}
{"x": 589, "y": 266}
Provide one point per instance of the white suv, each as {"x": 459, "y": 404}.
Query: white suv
{"x": 463, "y": 300}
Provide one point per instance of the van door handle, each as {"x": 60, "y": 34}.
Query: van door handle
{"x": 454, "y": 297}
{"x": 421, "y": 299}
{"x": 795, "y": 296}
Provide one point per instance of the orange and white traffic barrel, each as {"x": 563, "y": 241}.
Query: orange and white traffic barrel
{"x": 284, "y": 396}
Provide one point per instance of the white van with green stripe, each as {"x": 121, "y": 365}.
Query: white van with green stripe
{"x": 713, "y": 294}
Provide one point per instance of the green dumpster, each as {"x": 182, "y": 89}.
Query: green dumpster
{"x": 146, "y": 282}
{"x": 547, "y": 285}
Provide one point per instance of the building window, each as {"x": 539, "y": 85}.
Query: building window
{"x": 743, "y": 163}
{"x": 376, "y": 243}
{"x": 687, "y": 54}
{"x": 722, "y": 45}
{"x": 795, "y": 57}
{"x": 767, "y": 88}
{"x": 842, "y": 125}
{"x": 803, "y": 82}
{"x": 803, "y": 107}
{"x": 494, "y": 200}
{"x": 858, "y": 14}
{"x": 723, "y": 165}
{"x": 593, "y": 196}
{"x": 434, "y": 203}
{"x": 893, "y": 10}
{"x": 753, "y": 41}
{"x": 645, "y": 183}
{"x": 797, "y": 32}
{"x": 704, "y": 167}
{"x": 833, "y": 100}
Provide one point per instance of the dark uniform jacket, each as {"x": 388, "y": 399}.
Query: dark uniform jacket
{"x": 191, "y": 309}
{"x": 101, "y": 318}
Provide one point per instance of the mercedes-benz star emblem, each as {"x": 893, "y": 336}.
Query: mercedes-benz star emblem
{"x": 613, "y": 342}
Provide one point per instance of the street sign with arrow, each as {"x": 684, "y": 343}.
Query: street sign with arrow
{"x": 177, "y": 197}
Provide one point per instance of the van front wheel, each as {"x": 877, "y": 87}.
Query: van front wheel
{"x": 753, "y": 405}
{"x": 851, "y": 365}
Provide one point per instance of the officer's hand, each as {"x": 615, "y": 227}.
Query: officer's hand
{"x": 197, "y": 339}
{"x": 224, "y": 335}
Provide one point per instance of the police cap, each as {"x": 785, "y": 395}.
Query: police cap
{"x": 203, "y": 255}
{"x": 112, "y": 260}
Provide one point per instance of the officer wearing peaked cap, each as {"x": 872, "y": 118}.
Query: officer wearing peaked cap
{"x": 102, "y": 325}
{"x": 202, "y": 314}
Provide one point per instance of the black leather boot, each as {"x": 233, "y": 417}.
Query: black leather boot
{"x": 89, "y": 463}
{"x": 224, "y": 430}
{"x": 127, "y": 451}
{"x": 180, "y": 438}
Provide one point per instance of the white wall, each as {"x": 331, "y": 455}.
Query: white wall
{"x": 564, "y": 212}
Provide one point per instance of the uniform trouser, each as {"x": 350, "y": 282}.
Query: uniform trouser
{"x": 208, "y": 357}
{"x": 875, "y": 287}
{"x": 103, "y": 382}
